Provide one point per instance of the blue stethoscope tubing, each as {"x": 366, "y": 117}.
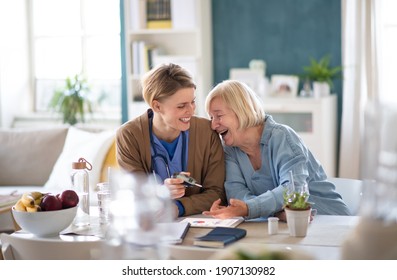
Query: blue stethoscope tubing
{"x": 157, "y": 155}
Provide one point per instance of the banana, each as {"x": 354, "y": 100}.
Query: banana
{"x": 37, "y": 201}
{"x": 34, "y": 208}
{"x": 36, "y": 195}
{"x": 19, "y": 206}
{"x": 27, "y": 200}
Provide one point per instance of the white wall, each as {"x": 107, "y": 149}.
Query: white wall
{"x": 15, "y": 97}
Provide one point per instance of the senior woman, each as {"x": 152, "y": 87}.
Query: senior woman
{"x": 259, "y": 155}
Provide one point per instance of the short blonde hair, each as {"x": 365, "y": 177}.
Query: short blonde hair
{"x": 241, "y": 99}
{"x": 163, "y": 81}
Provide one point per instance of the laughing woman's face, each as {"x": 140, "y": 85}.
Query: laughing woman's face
{"x": 176, "y": 111}
{"x": 224, "y": 121}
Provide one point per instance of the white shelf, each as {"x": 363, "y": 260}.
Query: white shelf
{"x": 314, "y": 119}
{"x": 162, "y": 31}
{"x": 189, "y": 46}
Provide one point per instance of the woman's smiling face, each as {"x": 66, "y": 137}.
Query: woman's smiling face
{"x": 177, "y": 109}
{"x": 224, "y": 121}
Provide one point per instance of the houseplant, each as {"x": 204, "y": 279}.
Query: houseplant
{"x": 297, "y": 209}
{"x": 72, "y": 101}
{"x": 322, "y": 75}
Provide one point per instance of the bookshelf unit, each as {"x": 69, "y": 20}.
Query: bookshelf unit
{"x": 188, "y": 42}
{"x": 314, "y": 119}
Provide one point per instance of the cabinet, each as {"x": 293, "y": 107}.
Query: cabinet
{"x": 314, "y": 119}
{"x": 186, "y": 41}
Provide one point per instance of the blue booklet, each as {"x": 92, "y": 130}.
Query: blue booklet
{"x": 219, "y": 237}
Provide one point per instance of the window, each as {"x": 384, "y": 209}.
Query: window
{"x": 70, "y": 37}
{"x": 387, "y": 28}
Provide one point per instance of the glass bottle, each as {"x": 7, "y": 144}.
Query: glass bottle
{"x": 80, "y": 183}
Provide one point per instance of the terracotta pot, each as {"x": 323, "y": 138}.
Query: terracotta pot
{"x": 298, "y": 221}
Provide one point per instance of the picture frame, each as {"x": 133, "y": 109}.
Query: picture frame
{"x": 284, "y": 85}
{"x": 253, "y": 78}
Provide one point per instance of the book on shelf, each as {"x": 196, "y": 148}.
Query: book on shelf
{"x": 159, "y": 24}
{"x": 135, "y": 57}
{"x": 219, "y": 237}
{"x": 137, "y": 14}
{"x": 213, "y": 222}
{"x": 158, "y": 14}
{"x": 142, "y": 57}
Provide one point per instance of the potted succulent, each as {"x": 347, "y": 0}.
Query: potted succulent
{"x": 72, "y": 101}
{"x": 297, "y": 209}
{"x": 322, "y": 75}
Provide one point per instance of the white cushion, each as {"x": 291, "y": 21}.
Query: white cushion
{"x": 27, "y": 156}
{"x": 80, "y": 144}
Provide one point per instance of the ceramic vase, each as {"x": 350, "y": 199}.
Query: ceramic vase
{"x": 297, "y": 221}
{"x": 321, "y": 89}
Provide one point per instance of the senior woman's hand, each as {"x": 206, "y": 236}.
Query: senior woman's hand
{"x": 236, "y": 208}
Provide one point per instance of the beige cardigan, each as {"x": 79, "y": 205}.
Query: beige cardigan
{"x": 205, "y": 159}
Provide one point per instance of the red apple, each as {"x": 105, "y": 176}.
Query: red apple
{"x": 69, "y": 198}
{"x": 50, "y": 203}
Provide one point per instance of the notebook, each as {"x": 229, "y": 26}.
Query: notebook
{"x": 176, "y": 231}
{"x": 219, "y": 237}
{"x": 213, "y": 222}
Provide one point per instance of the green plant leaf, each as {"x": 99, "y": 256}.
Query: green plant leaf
{"x": 72, "y": 100}
{"x": 321, "y": 70}
{"x": 296, "y": 200}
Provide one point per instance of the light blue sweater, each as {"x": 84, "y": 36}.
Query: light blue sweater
{"x": 282, "y": 150}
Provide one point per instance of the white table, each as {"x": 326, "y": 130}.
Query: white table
{"x": 324, "y": 239}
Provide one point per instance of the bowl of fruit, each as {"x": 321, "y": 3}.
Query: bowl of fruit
{"x": 45, "y": 214}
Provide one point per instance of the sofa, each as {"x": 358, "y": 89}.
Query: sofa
{"x": 40, "y": 159}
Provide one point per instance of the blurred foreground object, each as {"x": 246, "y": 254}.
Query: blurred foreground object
{"x": 138, "y": 206}
{"x": 375, "y": 235}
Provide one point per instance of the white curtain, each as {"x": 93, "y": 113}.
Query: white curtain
{"x": 360, "y": 84}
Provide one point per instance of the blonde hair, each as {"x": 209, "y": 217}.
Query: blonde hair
{"x": 163, "y": 81}
{"x": 241, "y": 99}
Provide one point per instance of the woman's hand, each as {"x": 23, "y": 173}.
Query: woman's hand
{"x": 235, "y": 209}
{"x": 281, "y": 216}
{"x": 176, "y": 186}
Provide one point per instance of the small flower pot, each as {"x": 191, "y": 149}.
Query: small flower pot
{"x": 321, "y": 89}
{"x": 298, "y": 221}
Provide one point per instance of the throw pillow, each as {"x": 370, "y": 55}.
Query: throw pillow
{"x": 80, "y": 144}
{"x": 109, "y": 161}
{"x": 27, "y": 156}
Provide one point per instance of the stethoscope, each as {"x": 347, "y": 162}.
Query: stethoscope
{"x": 156, "y": 155}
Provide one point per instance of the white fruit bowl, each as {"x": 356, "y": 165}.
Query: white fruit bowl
{"x": 45, "y": 223}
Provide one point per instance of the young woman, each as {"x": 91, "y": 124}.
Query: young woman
{"x": 168, "y": 138}
{"x": 259, "y": 155}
